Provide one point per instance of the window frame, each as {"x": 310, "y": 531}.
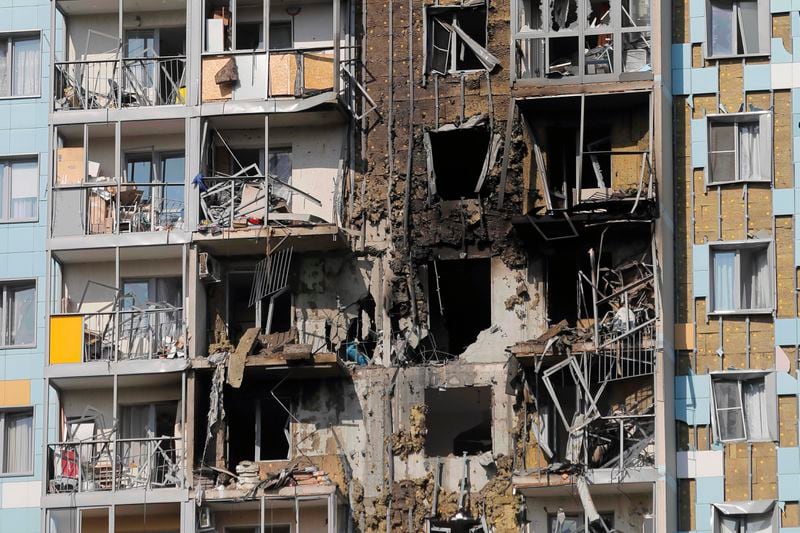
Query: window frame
{"x": 764, "y": 31}
{"x": 4, "y": 412}
{"x": 10, "y": 36}
{"x": 769, "y": 378}
{"x": 763, "y": 118}
{"x": 4, "y": 285}
{"x": 6, "y": 178}
{"x": 737, "y": 246}
{"x": 581, "y": 32}
{"x": 578, "y": 517}
{"x": 757, "y": 508}
{"x": 430, "y": 19}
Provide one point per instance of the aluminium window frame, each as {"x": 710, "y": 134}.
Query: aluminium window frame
{"x": 430, "y": 20}
{"x": 10, "y": 36}
{"x": 6, "y": 177}
{"x": 4, "y": 284}
{"x": 763, "y": 118}
{"x": 232, "y": 7}
{"x": 616, "y": 28}
{"x": 736, "y": 246}
{"x": 764, "y": 31}
{"x": 16, "y": 410}
{"x": 769, "y": 378}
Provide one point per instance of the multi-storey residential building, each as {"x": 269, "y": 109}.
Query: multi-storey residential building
{"x": 339, "y": 266}
{"x": 735, "y": 105}
{"x": 24, "y": 49}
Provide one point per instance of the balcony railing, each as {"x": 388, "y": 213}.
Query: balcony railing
{"x": 115, "y": 464}
{"x": 101, "y": 209}
{"x": 116, "y": 83}
{"x": 138, "y": 334}
{"x": 623, "y": 441}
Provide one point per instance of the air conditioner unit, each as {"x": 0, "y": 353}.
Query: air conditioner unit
{"x": 209, "y": 270}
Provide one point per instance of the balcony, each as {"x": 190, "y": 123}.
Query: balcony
{"x": 118, "y": 55}
{"x": 120, "y": 83}
{"x": 94, "y": 466}
{"x": 293, "y": 73}
{"x": 105, "y": 185}
{"x": 130, "y": 335}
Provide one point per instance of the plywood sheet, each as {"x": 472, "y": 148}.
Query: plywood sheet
{"x": 282, "y": 74}
{"x": 66, "y": 339}
{"x": 210, "y": 91}
{"x": 318, "y": 71}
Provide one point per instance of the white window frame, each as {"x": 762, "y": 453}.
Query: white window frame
{"x": 764, "y": 31}
{"x": 764, "y": 119}
{"x": 770, "y": 398}
{"x": 755, "y": 508}
{"x": 11, "y": 36}
{"x": 432, "y": 13}
{"x": 4, "y": 285}
{"x": 3, "y": 413}
{"x": 737, "y": 246}
{"x": 6, "y": 178}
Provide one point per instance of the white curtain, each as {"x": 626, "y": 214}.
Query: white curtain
{"x": 19, "y": 443}
{"x": 22, "y": 315}
{"x": 760, "y": 285}
{"x": 4, "y": 67}
{"x": 25, "y": 68}
{"x": 724, "y": 264}
{"x": 749, "y": 152}
{"x": 755, "y": 408}
{"x": 24, "y": 183}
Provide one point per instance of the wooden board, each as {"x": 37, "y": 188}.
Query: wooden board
{"x": 282, "y": 74}
{"x": 237, "y": 359}
{"x": 318, "y": 71}
{"x": 210, "y": 91}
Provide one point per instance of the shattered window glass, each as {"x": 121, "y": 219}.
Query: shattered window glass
{"x": 636, "y": 52}
{"x": 730, "y": 413}
{"x": 598, "y": 13}
{"x": 563, "y": 15}
{"x": 635, "y": 13}
{"x": 530, "y": 15}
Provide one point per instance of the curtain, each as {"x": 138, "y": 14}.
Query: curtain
{"x": 21, "y": 315}
{"x": 755, "y": 408}
{"x": 724, "y": 293}
{"x": 722, "y": 27}
{"x": 760, "y": 286}
{"x": 749, "y": 152}
{"x": 4, "y": 67}
{"x": 19, "y": 443}
{"x": 24, "y": 184}
{"x": 25, "y": 67}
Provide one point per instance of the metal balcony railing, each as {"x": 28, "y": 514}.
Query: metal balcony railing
{"x": 622, "y": 441}
{"x": 116, "y": 83}
{"x": 627, "y": 354}
{"x": 115, "y": 464}
{"x": 135, "y": 208}
{"x": 136, "y": 334}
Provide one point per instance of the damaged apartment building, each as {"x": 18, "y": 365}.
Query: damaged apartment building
{"x": 333, "y": 266}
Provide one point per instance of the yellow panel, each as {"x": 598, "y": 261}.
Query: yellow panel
{"x": 66, "y": 339}
{"x": 15, "y": 392}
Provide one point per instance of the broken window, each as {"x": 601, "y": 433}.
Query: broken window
{"x": 559, "y": 45}
{"x": 280, "y": 35}
{"x": 737, "y": 27}
{"x": 573, "y": 523}
{"x": 457, "y": 39}
{"x": 459, "y": 158}
{"x": 457, "y": 316}
{"x": 458, "y": 421}
{"x": 756, "y": 516}
{"x": 741, "y": 277}
{"x": 261, "y": 432}
{"x": 234, "y": 25}
{"x": 739, "y": 147}
{"x": 745, "y": 405}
